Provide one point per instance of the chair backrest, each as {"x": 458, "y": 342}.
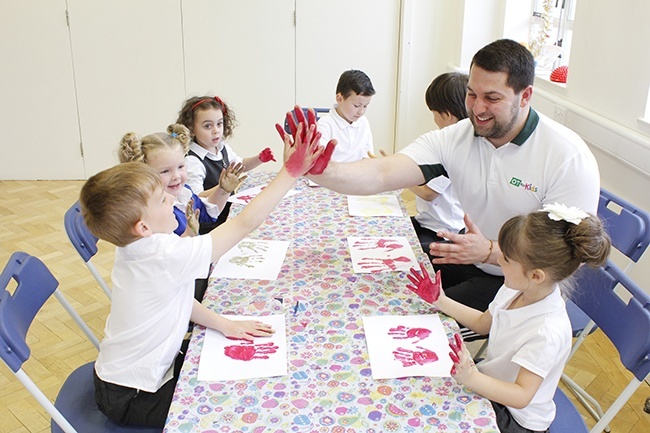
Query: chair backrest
{"x": 84, "y": 242}
{"x": 627, "y": 225}
{"x": 82, "y": 239}
{"x": 319, "y": 113}
{"x": 35, "y": 284}
{"x": 624, "y": 321}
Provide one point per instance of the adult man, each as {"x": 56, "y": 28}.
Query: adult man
{"x": 504, "y": 160}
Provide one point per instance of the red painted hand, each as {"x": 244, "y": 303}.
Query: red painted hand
{"x": 266, "y": 155}
{"x": 423, "y": 286}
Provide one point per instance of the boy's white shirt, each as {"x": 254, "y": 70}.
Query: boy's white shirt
{"x": 152, "y": 300}
{"x": 354, "y": 139}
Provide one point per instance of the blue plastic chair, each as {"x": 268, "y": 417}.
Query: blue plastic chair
{"x": 84, "y": 242}
{"x": 75, "y": 409}
{"x": 629, "y": 229}
{"x": 599, "y": 294}
{"x": 319, "y": 113}
{"x": 567, "y": 417}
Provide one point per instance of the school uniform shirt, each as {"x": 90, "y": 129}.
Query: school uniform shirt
{"x": 354, "y": 139}
{"x": 545, "y": 163}
{"x": 196, "y": 171}
{"x": 536, "y": 337}
{"x": 152, "y": 300}
{"x": 442, "y": 213}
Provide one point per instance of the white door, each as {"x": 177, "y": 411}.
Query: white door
{"x": 243, "y": 51}
{"x": 128, "y": 59}
{"x": 40, "y": 133}
{"x": 336, "y": 35}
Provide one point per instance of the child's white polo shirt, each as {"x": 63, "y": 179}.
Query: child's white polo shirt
{"x": 354, "y": 139}
{"x": 536, "y": 337}
{"x": 152, "y": 299}
{"x": 545, "y": 163}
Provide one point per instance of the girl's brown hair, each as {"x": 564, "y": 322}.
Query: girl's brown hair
{"x": 557, "y": 247}
{"x": 197, "y": 103}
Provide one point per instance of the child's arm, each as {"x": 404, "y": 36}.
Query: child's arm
{"x": 517, "y": 395}
{"x": 244, "y": 329}
{"x": 301, "y": 158}
{"x": 432, "y": 292}
{"x": 251, "y": 162}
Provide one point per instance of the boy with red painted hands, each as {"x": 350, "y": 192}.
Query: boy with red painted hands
{"x": 153, "y": 280}
{"x": 530, "y": 331}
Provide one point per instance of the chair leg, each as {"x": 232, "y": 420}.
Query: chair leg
{"x": 86, "y": 330}
{"x": 616, "y": 406}
{"x": 590, "y": 404}
{"x": 44, "y": 401}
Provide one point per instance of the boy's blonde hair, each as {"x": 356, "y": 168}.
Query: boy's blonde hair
{"x": 135, "y": 149}
{"x": 114, "y": 200}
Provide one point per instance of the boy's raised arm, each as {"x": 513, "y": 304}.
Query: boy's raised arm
{"x": 299, "y": 159}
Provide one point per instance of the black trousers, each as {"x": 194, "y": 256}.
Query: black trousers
{"x": 469, "y": 285}
{"x": 507, "y": 423}
{"x": 129, "y": 406}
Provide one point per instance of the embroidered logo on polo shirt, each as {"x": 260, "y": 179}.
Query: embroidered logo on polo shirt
{"x": 521, "y": 184}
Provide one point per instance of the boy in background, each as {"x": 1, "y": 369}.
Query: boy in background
{"x": 346, "y": 122}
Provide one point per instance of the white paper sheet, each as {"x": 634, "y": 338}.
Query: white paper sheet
{"x": 374, "y": 205}
{"x": 264, "y": 357}
{"x": 381, "y": 254}
{"x": 244, "y": 197}
{"x": 252, "y": 259}
{"x": 404, "y": 346}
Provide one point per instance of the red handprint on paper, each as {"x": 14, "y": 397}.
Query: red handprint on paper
{"x": 409, "y": 358}
{"x": 402, "y": 332}
{"x": 379, "y": 265}
{"x": 247, "y": 351}
{"x": 245, "y": 198}
{"x": 373, "y": 244}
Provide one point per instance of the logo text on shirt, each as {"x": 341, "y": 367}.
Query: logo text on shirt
{"x": 521, "y": 184}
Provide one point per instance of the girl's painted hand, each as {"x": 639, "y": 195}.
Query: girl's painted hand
{"x": 231, "y": 177}
{"x": 247, "y": 330}
{"x": 423, "y": 286}
{"x": 192, "y": 217}
{"x": 463, "y": 366}
{"x": 266, "y": 155}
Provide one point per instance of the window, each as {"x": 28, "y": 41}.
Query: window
{"x": 551, "y": 30}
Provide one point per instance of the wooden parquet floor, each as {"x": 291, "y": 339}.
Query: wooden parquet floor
{"x": 31, "y": 220}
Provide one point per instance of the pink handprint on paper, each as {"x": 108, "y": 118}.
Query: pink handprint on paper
{"x": 402, "y": 332}
{"x": 379, "y": 265}
{"x": 410, "y": 358}
{"x": 247, "y": 351}
{"x": 373, "y": 244}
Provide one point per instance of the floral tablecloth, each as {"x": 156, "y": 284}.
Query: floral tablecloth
{"x": 329, "y": 387}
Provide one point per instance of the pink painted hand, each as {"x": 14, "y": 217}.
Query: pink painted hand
{"x": 423, "y": 286}
{"x": 266, "y": 155}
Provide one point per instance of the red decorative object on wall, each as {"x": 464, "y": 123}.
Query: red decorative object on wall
{"x": 559, "y": 74}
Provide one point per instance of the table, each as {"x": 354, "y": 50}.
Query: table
{"x": 329, "y": 387}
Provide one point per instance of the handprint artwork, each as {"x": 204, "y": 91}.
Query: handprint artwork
{"x": 255, "y": 259}
{"x": 245, "y": 196}
{"x": 374, "y": 205}
{"x": 402, "y": 332}
{"x": 403, "y": 346}
{"x": 377, "y": 243}
{"x": 232, "y": 358}
{"x": 247, "y": 350}
{"x": 380, "y": 254}
{"x": 409, "y": 358}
